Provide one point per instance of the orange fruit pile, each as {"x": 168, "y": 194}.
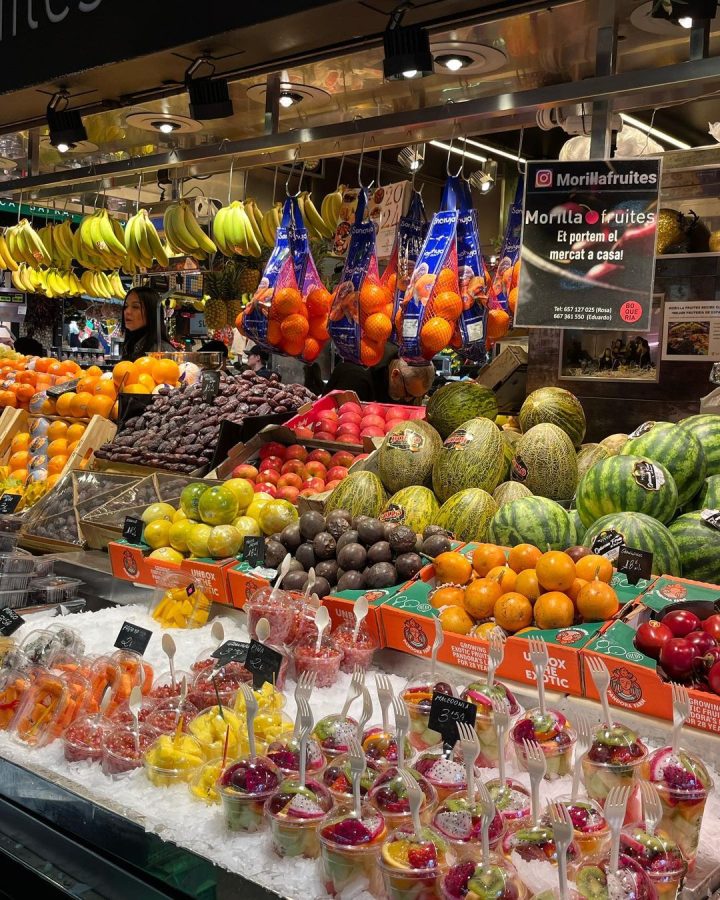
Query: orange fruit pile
{"x": 519, "y": 588}
{"x": 297, "y": 325}
{"x": 375, "y": 303}
{"x": 41, "y": 454}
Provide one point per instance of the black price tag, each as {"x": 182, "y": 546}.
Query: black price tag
{"x": 9, "y": 502}
{"x": 636, "y": 564}
{"x": 10, "y": 621}
{"x": 210, "y": 385}
{"x": 711, "y": 517}
{"x": 231, "y": 651}
{"x": 133, "y": 530}
{"x": 446, "y": 712}
{"x": 253, "y": 550}
{"x": 608, "y": 543}
{"x": 133, "y": 637}
{"x": 264, "y": 664}
{"x": 61, "y": 389}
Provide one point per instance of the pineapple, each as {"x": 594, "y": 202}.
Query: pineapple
{"x": 216, "y": 314}
{"x": 234, "y": 308}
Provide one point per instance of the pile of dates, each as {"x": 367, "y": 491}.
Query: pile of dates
{"x": 179, "y": 431}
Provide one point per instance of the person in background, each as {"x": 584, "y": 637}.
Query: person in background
{"x": 90, "y": 343}
{"x": 257, "y": 361}
{"x": 313, "y": 379}
{"x": 606, "y": 360}
{"x": 140, "y": 324}
{"x": 214, "y": 347}
{"x": 6, "y": 336}
{"x": 644, "y": 359}
{"x": 28, "y": 346}
{"x": 391, "y": 381}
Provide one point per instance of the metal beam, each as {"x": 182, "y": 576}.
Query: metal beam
{"x": 605, "y": 58}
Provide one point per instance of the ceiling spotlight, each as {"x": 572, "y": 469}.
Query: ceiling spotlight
{"x": 453, "y": 62}
{"x": 685, "y": 12}
{"x": 289, "y": 98}
{"x": 165, "y": 126}
{"x": 209, "y": 96}
{"x": 412, "y": 158}
{"x": 685, "y": 22}
{"x": 484, "y": 179}
{"x": 407, "y": 48}
{"x": 65, "y": 125}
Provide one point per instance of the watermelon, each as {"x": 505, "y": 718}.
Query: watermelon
{"x": 706, "y": 428}
{"x": 556, "y": 406}
{"x": 626, "y": 484}
{"x": 588, "y": 455}
{"x": 361, "y": 494}
{"x": 546, "y": 463}
{"x": 467, "y": 514}
{"x": 641, "y": 533}
{"x": 508, "y": 491}
{"x": 699, "y": 545}
{"x": 471, "y": 457}
{"x": 709, "y": 495}
{"x": 406, "y": 455}
{"x": 455, "y": 403}
{"x": 532, "y": 520}
{"x": 577, "y": 525}
{"x": 677, "y": 449}
{"x": 416, "y": 507}
{"x": 614, "y": 443}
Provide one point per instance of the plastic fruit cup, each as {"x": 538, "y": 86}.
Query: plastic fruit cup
{"x": 121, "y": 754}
{"x": 418, "y": 696}
{"x": 498, "y": 880}
{"x": 355, "y": 652}
{"x": 338, "y": 779}
{"x": 83, "y": 739}
{"x": 413, "y": 865}
{"x": 613, "y": 760}
{"x": 350, "y": 852}
{"x": 244, "y": 787}
{"x": 203, "y": 783}
{"x": 444, "y": 773}
{"x": 227, "y": 679}
{"x": 591, "y": 833}
{"x": 278, "y": 607}
{"x": 285, "y": 753}
{"x": 460, "y": 824}
{"x": 166, "y": 715}
{"x": 536, "y": 843}
{"x": 210, "y": 728}
{"x": 553, "y": 733}
{"x": 631, "y": 882}
{"x": 482, "y": 694}
{"x": 658, "y": 855}
{"x": 325, "y": 662}
{"x": 163, "y": 687}
{"x": 512, "y": 801}
{"x": 389, "y": 797}
{"x": 173, "y": 759}
{"x": 333, "y": 733}
{"x": 295, "y": 813}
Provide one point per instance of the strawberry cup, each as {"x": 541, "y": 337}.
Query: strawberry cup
{"x": 495, "y": 880}
{"x": 285, "y": 753}
{"x": 337, "y": 778}
{"x": 381, "y": 747}
{"x": 83, "y": 739}
{"x": 295, "y": 810}
{"x": 323, "y": 661}
{"x": 459, "y": 821}
{"x": 591, "y": 833}
{"x": 535, "y": 843}
{"x": 553, "y": 733}
{"x": 124, "y": 750}
{"x": 413, "y": 864}
{"x": 482, "y": 695}
{"x": 658, "y": 855}
{"x": 245, "y": 786}
{"x": 683, "y": 784}
{"x": 277, "y": 606}
{"x": 418, "y": 696}
{"x": 389, "y": 796}
{"x": 350, "y": 851}
{"x": 614, "y": 760}
{"x": 334, "y": 733}
{"x": 512, "y": 801}
{"x": 172, "y": 759}
{"x": 595, "y": 881}
{"x": 443, "y": 770}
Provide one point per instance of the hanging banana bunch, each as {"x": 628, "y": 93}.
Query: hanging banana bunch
{"x": 184, "y": 233}
{"x": 255, "y": 214}
{"x": 25, "y": 245}
{"x": 6, "y": 259}
{"x": 143, "y": 243}
{"x": 314, "y": 222}
{"x": 99, "y": 242}
{"x": 271, "y": 223}
{"x": 60, "y": 238}
{"x": 234, "y": 232}
{"x": 330, "y": 208}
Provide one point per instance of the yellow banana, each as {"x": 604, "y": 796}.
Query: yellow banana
{"x": 250, "y": 208}
{"x": 38, "y": 251}
{"x": 235, "y": 230}
{"x": 7, "y": 261}
{"x": 108, "y": 235}
{"x": 200, "y": 239}
{"x": 142, "y": 239}
{"x": 313, "y": 216}
{"x": 156, "y": 248}
{"x": 219, "y": 225}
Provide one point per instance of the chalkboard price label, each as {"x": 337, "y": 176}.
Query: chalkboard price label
{"x": 61, "y": 389}
{"x": 10, "y": 621}
{"x": 210, "y": 385}
{"x": 9, "y": 502}
{"x": 133, "y": 529}
{"x": 253, "y": 550}
{"x": 608, "y": 543}
{"x": 231, "y": 651}
{"x": 264, "y": 664}
{"x": 635, "y": 564}
{"x": 133, "y": 637}
{"x": 445, "y": 714}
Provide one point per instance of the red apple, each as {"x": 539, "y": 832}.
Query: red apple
{"x": 266, "y": 488}
{"x": 331, "y": 485}
{"x": 323, "y": 456}
{"x": 372, "y": 431}
{"x": 289, "y": 492}
{"x": 271, "y": 462}
{"x": 327, "y": 415}
{"x": 272, "y": 448}
{"x": 375, "y": 421}
{"x": 307, "y": 492}
{"x": 295, "y": 466}
{"x": 343, "y": 458}
{"x": 336, "y": 473}
{"x": 290, "y": 479}
{"x": 327, "y": 425}
{"x": 315, "y": 469}
{"x": 374, "y": 409}
{"x": 314, "y": 484}
{"x": 270, "y": 476}
{"x": 245, "y": 471}
{"x": 303, "y": 432}
{"x": 324, "y": 436}
{"x": 352, "y": 407}
{"x": 348, "y": 438}
{"x": 350, "y": 417}
{"x": 348, "y": 429}
{"x": 296, "y": 451}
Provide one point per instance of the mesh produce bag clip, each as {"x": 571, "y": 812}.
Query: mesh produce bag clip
{"x": 406, "y": 249}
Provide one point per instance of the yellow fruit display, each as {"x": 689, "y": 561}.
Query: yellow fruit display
{"x": 179, "y": 608}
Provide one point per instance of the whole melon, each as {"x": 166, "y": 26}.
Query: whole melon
{"x": 555, "y": 406}
{"x": 642, "y": 533}
{"x": 699, "y": 546}
{"x": 614, "y": 443}
{"x": 677, "y": 449}
{"x": 577, "y": 526}
{"x": 467, "y": 514}
{"x": 532, "y": 520}
{"x": 508, "y": 491}
{"x": 546, "y": 463}
{"x": 406, "y": 455}
{"x": 455, "y": 403}
{"x": 627, "y": 484}
{"x": 361, "y": 494}
{"x": 416, "y": 507}
{"x": 706, "y": 428}
{"x": 588, "y": 455}
{"x": 708, "y": 497}
{"x": 471, "y": 457}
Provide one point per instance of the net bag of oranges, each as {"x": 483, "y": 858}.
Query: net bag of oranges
{"x": 507, "y": 275}
{"x": 360, "y": 316}
{"x": 288, "y": 312}
{"x": 406, "y": 249}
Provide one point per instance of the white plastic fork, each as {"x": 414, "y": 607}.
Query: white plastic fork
{"x": 537, "y": 768}
{"x": 367, "y": 711}
{"x": 539, "y": 659}
{"x": 584, "y": 732}
{"x": 354, "y": 690}
{"x": 357, "y": 761}
{"x": 437, "y": 644}
{"x": 681, "y": 713}
{"x": 496, "y": 653}
{"x": 251, "y": 708}
{"x": 562, "y": 827}
{"x": 303, "y": 690}
{"x": 306, "y": 722}
{"x": 501, "y": 723}
{"x": 470, "y": 749}
{"x": 651, "y": 805}
{"x": 614, "y": 812}
{"x": 402, "y": 727}
{"x": 487, "y": 808}
{"x": 415, "y": 799}
{"x": 601, "y": 680}
{"x": 385, "y": 695}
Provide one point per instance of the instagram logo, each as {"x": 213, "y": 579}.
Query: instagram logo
{"x": 543, "y": 178}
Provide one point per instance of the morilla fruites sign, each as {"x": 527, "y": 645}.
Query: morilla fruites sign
{"x": 588, "y": 244}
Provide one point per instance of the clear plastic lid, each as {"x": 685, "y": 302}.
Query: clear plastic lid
{"x": 83, "y": 739}
{"x": 342, "y": 638}
{"x": 204, "y": 783}
{"x": 404, "y": 849}
{"x": 389, "y": 794}
{"x": 334, "y": 733}
{"x": 536, "y": 843}
{"x": 440, "y": 768}
{"x": 550, "y": 727}
{"x": 616, "y": 745}
{"x": 629, "y": 882}
{"x": 214, "y": 725}
{"x": 482, "y": 695}
{"x": 680, "y": 773}
{"x": 52, "y": 589}
{"x": 293, "y": 801}
{"x": 657, "y": 853}
{"x": 14, "y": 684}
{"x": 222, "y": 681}
{"x": 168, "y": 684}
{"x": 42, "y": 644}
{"x": 381, "y": 746}
{"x": 337, "y": 777}
{"x": 133, "y": 670}
{"x": 257, "y": 778}
{"x": 459, "y": 819}
{"x": 166, "y": 714}
{"x": 511, "y": 799}
{"x": 17, "y": 562}
{"x": 496, "y": 880}
{"x": 419, "y": 689}
{"x": 345, "y": 831}
{"x": 285, "y": 753}
{"x": 41, "y": 710}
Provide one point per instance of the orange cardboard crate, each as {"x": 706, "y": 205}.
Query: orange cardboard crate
{"x": 242, "y": 581}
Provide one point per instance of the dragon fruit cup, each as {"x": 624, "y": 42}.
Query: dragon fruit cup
{"x": 459, "y": 821}
{"x": 334, "y": 733}
{"x": 594, "y": 881}
{"x": 389, "y": 796}
{"x": 512, "y": 801}
{"x": 614, "y": 760}
{"x": 295, "y": 811}
{"x": 418, "y": 695}
{"x": 358, "y": 652}
{"x": 535, "y": 843}
{"x": 285, "y": 753}
{"x": 337, "y": 778}
{"x": 591, "y": 833}
{"x": 482, "y": 695}
{"x": 324, "y": 662}
{"x": 495, "y": 880}
{"x": 658, "y": 855}
{"x": 553, "y": 733}
{"x": 413, "y": 864}
{"x": 381, "y": 747}
{"x": 350, "y": 850}
{"x": 683, "y": 785}
{"x": 245, "y": 786}
{"x": 444, "y": 772}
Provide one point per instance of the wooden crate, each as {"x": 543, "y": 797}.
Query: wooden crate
{"x": 98, "y": 432}
{"x": 12, "y": 422}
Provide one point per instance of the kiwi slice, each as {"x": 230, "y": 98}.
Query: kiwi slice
{"x": 537, "y": 834}
{"x": 617, "y": 736}
{"x": 591, "y": 883}
{"x": 487, "y": 883}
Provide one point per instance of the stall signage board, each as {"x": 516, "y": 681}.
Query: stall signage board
{"x": 691, "y": 331}
{"x": 588, "y": 245}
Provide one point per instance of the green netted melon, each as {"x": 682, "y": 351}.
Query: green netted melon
{"x": 546, "y": 463}
{"x": 467, "y": 514}
{"x": 588, "y": 455}
{"x": 416, "y": 507}
{"x": 508, "y": 491}
{"x": 454, "y": 404}
{"x": 471, "y": 457}
{"x": 555, "y": 406}
{"x": 406, "y": 455}
{"x": 614, "y": 443}
{"x": 361, "y": 494}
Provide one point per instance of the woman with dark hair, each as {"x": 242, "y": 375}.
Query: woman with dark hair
{"x": 141, "y": 311}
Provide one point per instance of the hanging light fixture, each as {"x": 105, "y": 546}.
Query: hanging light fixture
{"x": 484, "y": 179}
{"x": 209, "y": 96}
{"x": 685, "y": 13}
{"x": 407, "y": 48}
{"x": 65, "y": 125}
{"x": 412, "y": 157}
